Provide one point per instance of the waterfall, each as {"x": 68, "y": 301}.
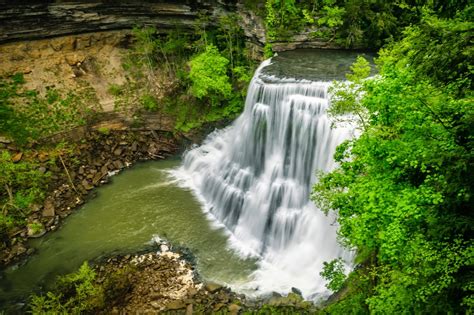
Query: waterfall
{"x": 255, "y": 178}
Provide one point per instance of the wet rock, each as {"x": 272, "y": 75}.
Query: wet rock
{"x": 5, "y": 140}
{"x": 48, "y": 209}
{"x": 218, "y": 307}
{"x": 192, "y": 292}
{"x": 213, "y": 287}
{"x": 18, "y": 249}
{"x": 104, "y": 170}
{"x": 97, "y": 177}
{"x": 86, "y": 185}
{"x": 118, "y": 164}
{"x": 34, "y": 207}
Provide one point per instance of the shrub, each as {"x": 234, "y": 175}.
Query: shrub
{"x": 208, "y": 75}
{"x": 149, "y": 102}
{"x": 74, "y": 293}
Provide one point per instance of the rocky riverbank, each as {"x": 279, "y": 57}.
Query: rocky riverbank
{"x": 74, "y": 169}
{"x": 164, "y": 280}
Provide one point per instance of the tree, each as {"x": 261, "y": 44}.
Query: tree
{"x": 403, "y": 190}
{"x": 208, "y": 75}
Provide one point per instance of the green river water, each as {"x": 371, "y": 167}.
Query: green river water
{"x": 124, "y": 216}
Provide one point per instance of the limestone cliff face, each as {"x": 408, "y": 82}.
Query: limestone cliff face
{"x": 27, "y": 20}
{"x": 33, "y": 19}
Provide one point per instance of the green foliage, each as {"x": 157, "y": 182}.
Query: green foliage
{"x": 350, "y": 23}
{"x": 333, "y": 272}
{"x": 208, "y": 76}
{"x": 345, "y": 102}
{"x": 403, "y": 189}
{"x": 268, "y": 50}
{"x": 115, "y": 89}
{"x": 27, "y": 115}
{"x": 36, "y": 227}
{"x": 21, "y": 184}
{"x": 331, "y": 15}
{"x": 75, "y": 293}
{"x": 149, "y": 102}
{"x": 282, "y": 17}
{"x": 104, "y": 130}
{"x": 209, "y": 72}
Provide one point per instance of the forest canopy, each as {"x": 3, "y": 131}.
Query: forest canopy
{"x": 403, "y": 191}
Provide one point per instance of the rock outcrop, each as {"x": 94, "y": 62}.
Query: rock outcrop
{"x": 27, "y": 20}
{"x": 32, "y": 19}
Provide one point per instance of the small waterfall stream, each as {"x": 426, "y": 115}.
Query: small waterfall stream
{"x": 255, "y": 176}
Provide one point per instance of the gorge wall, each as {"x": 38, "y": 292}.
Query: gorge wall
{"x": 32, "y": 19}
{"x": 79, "y": 45}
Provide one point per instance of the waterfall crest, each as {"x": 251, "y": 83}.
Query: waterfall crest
{"x": 255, "y": 178}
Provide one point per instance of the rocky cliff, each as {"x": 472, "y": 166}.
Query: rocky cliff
{"x": 34, "y": 20}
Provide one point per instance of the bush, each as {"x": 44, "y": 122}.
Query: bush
{"x": 74, "y": 293}
{"x": 149, "y": 102}
{"x": 208, "y": 75}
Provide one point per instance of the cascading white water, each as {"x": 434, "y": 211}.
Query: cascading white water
{"x": 255, "y": 178}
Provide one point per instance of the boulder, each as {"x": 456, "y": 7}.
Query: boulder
{"x": 97, "y": 178}
{"x": 213, "y": 287}
{"x": 86, "y": 185}
{"x": 48, "y": 209}
{"x": 118, "y": 151}
{"x": 118, "y": 164}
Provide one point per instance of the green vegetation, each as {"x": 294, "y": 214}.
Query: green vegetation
{"x": 333, "y": 271}
{"x": 74, "y": 293}
{"x": 197, "y": 78}
{"x": 83, "y": 292}
{"x": 403, "y": 191}
{"x": 350, "y": 23}
{"x": 22, "y": 184}
{"x": 208, "y": 76}
{"x": 27, "y": 115}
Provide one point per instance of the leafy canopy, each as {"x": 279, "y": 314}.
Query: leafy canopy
{"x": 208, "y": 75}
{"x": 403, "y": 190}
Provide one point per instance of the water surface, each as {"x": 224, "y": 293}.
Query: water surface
{"x": 140, "y": 203}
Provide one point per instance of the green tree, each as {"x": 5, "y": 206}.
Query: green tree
{"x": 403, "y": 190}
{"x": 333, "y": 272}
{"x": 208, "y": 75}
